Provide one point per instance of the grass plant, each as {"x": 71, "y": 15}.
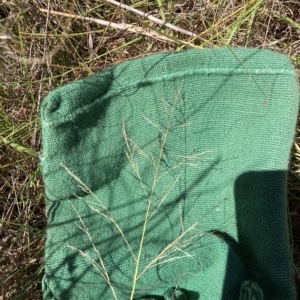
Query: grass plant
{"x": 176, "y": 249}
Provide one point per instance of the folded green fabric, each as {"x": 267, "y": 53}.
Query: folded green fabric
{"x": 165, "y": 178}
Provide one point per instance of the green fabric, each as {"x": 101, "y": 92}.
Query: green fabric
{"x": 202, "y": 139}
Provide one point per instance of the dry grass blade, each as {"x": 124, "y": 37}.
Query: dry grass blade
{"x": 154, "y": 19}
{"x": 128, "y": 27}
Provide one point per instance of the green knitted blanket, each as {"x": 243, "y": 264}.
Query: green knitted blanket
{"x": 165, "y": 178}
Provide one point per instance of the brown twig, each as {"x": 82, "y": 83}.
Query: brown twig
{"x": 153, "y": 19}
